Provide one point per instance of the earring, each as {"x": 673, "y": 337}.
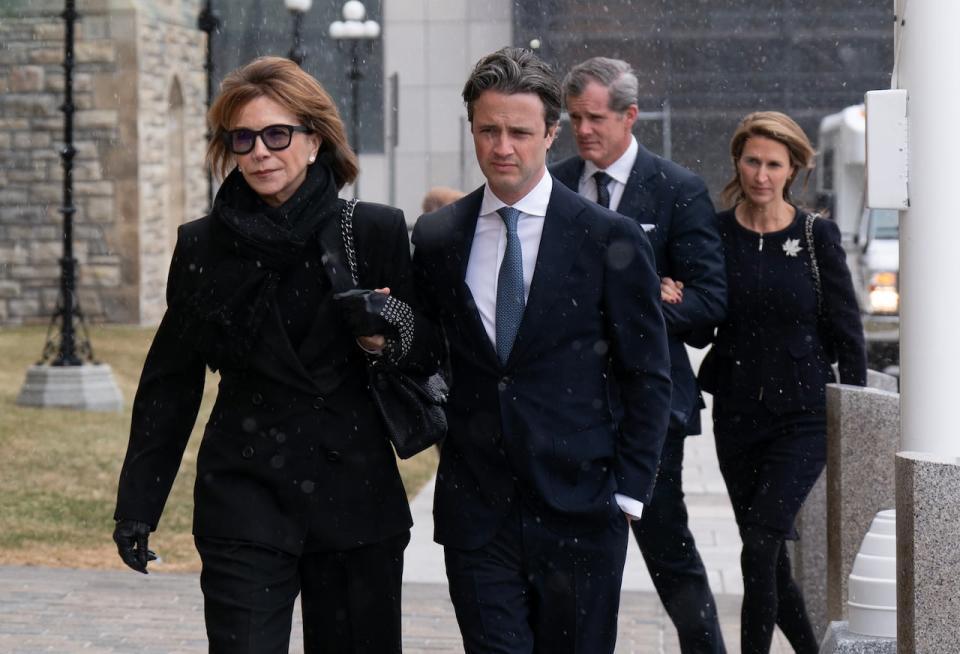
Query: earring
{"x": 240, "y": 169}
{"x": 312, "y": 158}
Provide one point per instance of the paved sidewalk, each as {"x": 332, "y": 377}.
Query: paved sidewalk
{"x": 118, "y": 612}
{"x": 100, "y": 612}
{"x": 115, "y": 612}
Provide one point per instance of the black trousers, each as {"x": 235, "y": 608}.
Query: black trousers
{"x": 672, "y": 559}
{"x": 534, "y": 591}
{"x": 769, "y": 463}
{"x": 350, "y": 599}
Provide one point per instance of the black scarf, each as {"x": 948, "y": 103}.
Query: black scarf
{"x": 226, "y": 312}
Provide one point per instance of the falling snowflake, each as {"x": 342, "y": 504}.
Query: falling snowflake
{"x": 792, "y": 247}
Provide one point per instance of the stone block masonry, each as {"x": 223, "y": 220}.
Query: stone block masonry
{"x": 140, "y": 93}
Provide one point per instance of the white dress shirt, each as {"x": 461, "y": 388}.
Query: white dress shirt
{"x": 486, "y": 254}
{"x": 490, "y": 243}
{"x": 619, "y": 170}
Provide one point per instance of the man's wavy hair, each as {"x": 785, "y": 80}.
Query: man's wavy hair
{"x": 515, "y": 70}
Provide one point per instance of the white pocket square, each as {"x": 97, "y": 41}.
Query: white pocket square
{"x": 648, "y": 227}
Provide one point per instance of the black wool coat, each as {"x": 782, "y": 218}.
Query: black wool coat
{"x": 294, "y": 442}
{"x": 776, "y": 346}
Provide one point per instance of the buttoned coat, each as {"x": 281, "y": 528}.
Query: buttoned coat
{"x": 674, "y": 209}
{"x": 779, "y": 340}
{"x": 539, "y": 428}
{"x": 293, "y": 441}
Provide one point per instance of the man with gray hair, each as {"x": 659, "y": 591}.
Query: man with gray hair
{"x": 543, "y": 296}
{"x": 673, "y": 207}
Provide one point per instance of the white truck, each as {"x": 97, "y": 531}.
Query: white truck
{"x": 871, "y": 237}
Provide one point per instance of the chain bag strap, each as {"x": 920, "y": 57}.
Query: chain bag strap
{"x": 346, "y": 230}
{"x": 814, "y": 266}
{"x": 410, "y": 405}
{"x": 823, "y": 325}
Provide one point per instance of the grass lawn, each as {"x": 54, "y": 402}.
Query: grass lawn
{"x": 59, "y": 469}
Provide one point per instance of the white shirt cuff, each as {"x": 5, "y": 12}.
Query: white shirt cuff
{"x": 629, "y": 506}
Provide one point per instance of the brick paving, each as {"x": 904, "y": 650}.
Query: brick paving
{"x": 120, "y": 612}
{"x": 117, "y": 612}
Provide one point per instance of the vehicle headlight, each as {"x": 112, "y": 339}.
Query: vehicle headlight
{"x": 883, "y": 293}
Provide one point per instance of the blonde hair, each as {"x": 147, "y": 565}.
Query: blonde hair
{"x": 778, "y": 127}
{"x": 288, "y": 85}
{"x": 439, "y": 197}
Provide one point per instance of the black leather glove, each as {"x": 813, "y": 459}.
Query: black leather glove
{"x": 363, "y": 311}
{"x": 131, "y": 539}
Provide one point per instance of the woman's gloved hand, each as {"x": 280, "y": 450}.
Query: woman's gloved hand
{"x": 131, "y": 538}
{"x": 363, "y": 311}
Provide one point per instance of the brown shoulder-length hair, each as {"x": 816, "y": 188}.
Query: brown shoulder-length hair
{"x": 778, "y": 127}
{"x": 288, "y": 85}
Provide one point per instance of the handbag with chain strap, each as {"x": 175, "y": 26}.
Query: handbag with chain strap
{"x": 411, "y": 406}
{"x": 823, "y": 326}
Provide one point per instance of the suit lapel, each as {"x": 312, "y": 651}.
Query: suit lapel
{"x": 276, "y": 352}
{"x": 569, "y": 173}
{"x": 463, "y": 226}
{"x": 559, "y": 243}
{"x": 463, "y": 223}
{"x": 635, "y": 201}
{"x": 275, "y": 337}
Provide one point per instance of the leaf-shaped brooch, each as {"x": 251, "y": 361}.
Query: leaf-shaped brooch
{"x": 792, "y": 247}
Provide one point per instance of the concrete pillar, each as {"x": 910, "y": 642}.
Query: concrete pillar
{"x": 862, "y": 434}
{"x": 928, "y": 559}
{"x": 860, "y": 477}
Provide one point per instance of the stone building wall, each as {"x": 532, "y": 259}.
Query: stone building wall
{"x": 129, "y": 58}
{"x": 171, "y": 180}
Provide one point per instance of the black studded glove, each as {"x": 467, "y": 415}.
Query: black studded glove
{"x": 369, "y": 313}
{"x": 363, "y": 311}
{"x": 131, "y": 538}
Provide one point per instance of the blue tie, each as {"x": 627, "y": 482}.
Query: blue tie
{"x": 509, "y": 287}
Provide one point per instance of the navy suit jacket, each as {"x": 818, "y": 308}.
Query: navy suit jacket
{"x": 674, "y": 206}
{"x": 540, "y": 429}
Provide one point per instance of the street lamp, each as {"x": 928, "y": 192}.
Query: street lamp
{"x": 65, "y": 352}
{"x": 297, "y": 8}
{"x": 68, "y": 375}
{"x": 354, "y": 28}
{"x": 209, "y": 21}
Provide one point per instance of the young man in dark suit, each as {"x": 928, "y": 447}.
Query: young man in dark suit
{"x": 673, "y": 207}
{"x": 542, "y": 295}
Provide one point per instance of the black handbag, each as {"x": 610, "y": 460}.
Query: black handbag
{"x": 411, "y": 406}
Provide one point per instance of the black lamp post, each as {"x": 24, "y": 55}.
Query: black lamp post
{"x": 354, "y": 29}
{"x": 65, "y": 351}
{"x": 209, "y": 21}
{"x": 297, "y": 8}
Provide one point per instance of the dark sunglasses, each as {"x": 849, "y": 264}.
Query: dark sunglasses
{"x": 274, "y": 137}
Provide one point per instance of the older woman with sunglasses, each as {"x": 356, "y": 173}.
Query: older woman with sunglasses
{"x": 297, "y": 488}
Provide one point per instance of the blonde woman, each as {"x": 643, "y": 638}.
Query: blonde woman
{"x": 791, "y": 313}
